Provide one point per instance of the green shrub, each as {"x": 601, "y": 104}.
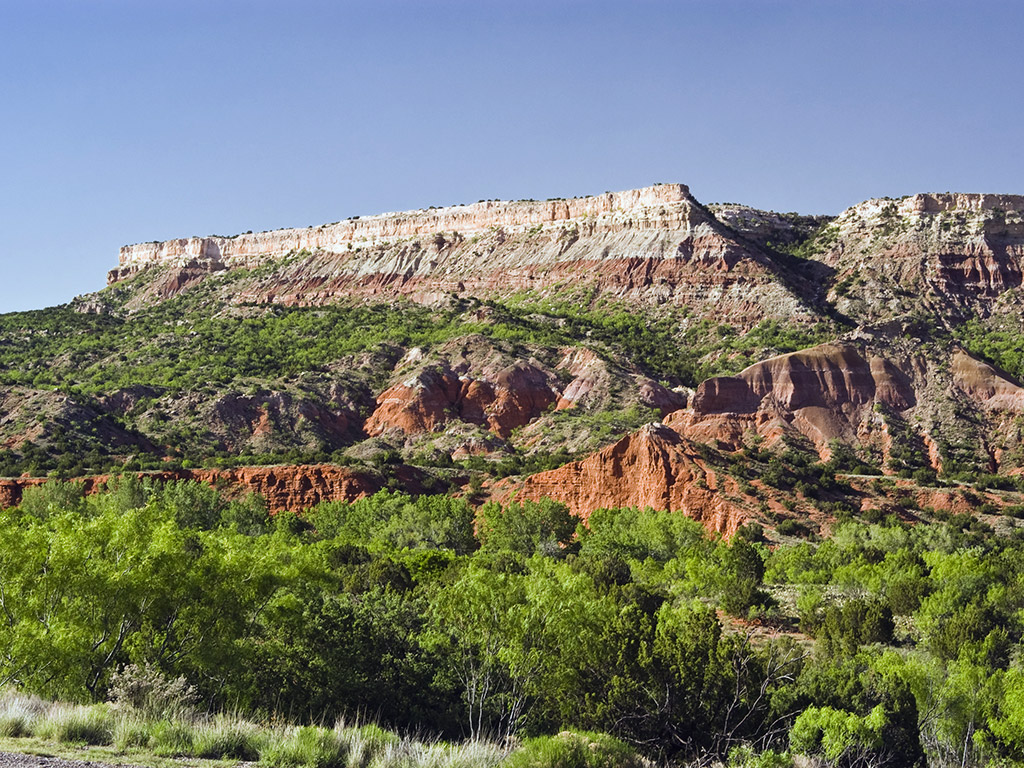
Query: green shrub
{"x": 574, "y": 750}
{"x": 746, "y": 757}
{"x": 791, "y": 527}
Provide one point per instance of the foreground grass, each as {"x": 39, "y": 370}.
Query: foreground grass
{"x": 31, "y": 745}
{"x": 103, "y": 733}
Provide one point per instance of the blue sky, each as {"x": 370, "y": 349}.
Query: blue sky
{"x": 132, "y": 120}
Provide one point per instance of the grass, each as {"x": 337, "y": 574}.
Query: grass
{"x": 76, "y": 723}
{"x": 228, "y": 737}
{"x": 306, "y": 746}
{"x": 103, "y": 733}
{"x": 18, "y": 714}
{"x": 574, "y": 750}
{"x": 117, "y": 734}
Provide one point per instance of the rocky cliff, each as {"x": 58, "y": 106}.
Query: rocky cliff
{"x": 661, "y": 206}
{"x": 951, "y": 254}
{"x": 652, "y": 245}
{"x": 833, "y": 394}
{"x": 825, "y": 393}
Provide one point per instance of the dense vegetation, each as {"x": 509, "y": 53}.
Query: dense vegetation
{"x": 183, "y": 344}
{"x": 515, "y": 622}
{"x": 999, "y": 345}
{"x": 92, "y": 391}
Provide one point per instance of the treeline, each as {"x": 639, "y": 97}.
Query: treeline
{"x": 424, "y": 616}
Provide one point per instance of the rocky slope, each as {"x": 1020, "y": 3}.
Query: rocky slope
{"x": 824, "y": 397}
{"x": 653, "y": 467}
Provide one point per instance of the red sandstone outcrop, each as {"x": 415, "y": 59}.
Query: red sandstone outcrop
{"x": 653, "y": 467}
{"x": 823, "y": 393}
{"x": 516, "y": 395}
{"x": 12, "y": 488}
{"x": 293, "y": 488}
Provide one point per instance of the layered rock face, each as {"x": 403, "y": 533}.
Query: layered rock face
{"x": 951, "y": 253}
{"x": 985, "y": 385}
{"x": 654, "y": 467}
{"x": 659, "y": 205}
{"x": 824, "y": 393}
{"x": 651, "y": 245}
{"x": 292, "y": 488}
{"x": 833, "y": 392}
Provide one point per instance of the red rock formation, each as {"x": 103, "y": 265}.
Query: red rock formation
{"x": 823, "y": 393}
{"x": 12, "y": 488}
{"x": 293, "y": 488}
{"x": 518, "y": 394}
{"x": 289, "y": 487}
{"x": 653, "y": 467}
{"x": 416, "y": 405}
{"x": 654, "y": 395}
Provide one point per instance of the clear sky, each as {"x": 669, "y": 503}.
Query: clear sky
{"x": 132, "y": 120}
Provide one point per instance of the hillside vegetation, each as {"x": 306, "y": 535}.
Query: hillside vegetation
{"x": 639, "y": 625}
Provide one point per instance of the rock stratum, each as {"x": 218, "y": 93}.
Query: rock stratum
{"x": 954, "y": 255}
{"x": 651, "y": 245}
{"x": 827, "y": 395}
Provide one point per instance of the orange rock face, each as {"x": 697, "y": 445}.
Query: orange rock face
{"x": 654, "y": 467}
{"x": 517, "y": 394}
{"x": 284, "y": 487}
{"x": 11, "y": 489}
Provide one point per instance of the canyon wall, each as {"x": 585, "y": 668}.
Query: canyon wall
{"x": 652, "y": 246}
{"x": 955, "y": 255}
{"x": 659, "y": 205}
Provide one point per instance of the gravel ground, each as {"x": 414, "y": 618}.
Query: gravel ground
{"x": 14, "y": 760}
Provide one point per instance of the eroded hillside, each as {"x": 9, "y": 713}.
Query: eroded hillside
{"x": 500, "y": 339}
